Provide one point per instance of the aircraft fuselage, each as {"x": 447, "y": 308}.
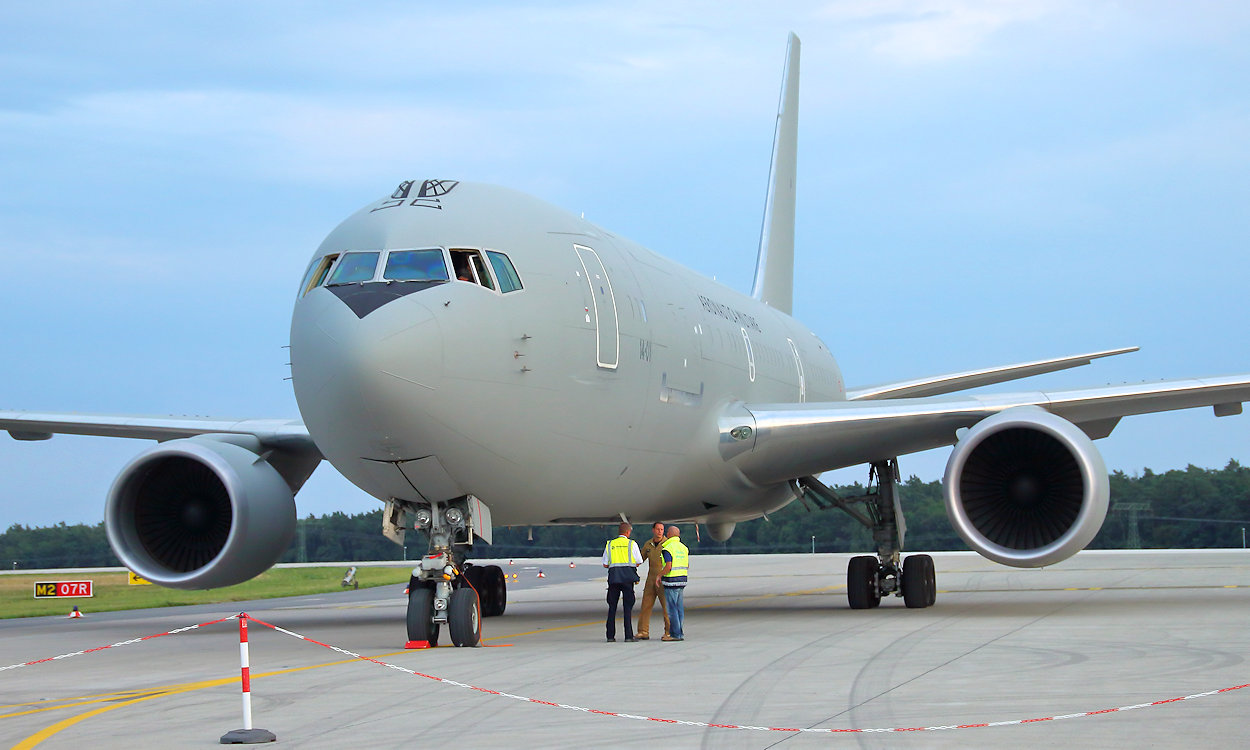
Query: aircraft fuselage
{"x": 592, "y": 390}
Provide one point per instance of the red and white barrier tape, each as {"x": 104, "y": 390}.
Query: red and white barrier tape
{"x": 709, "y": 725}
{"x": 119, "y": 644}
{"x": 583, "y": 709}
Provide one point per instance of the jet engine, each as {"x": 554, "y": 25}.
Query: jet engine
{"x": 200, "y": 513}
{"x": 1026, "y": 488}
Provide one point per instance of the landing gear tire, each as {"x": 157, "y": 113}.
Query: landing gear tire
{"x": 491, "y": 587}
{"x": 421, "y": 625}
{"x": 861, "y": 582}
{"x": 464, "y": 618}
{"x": 919, "y": 582}
{"x": 475, "y": 575}
{"x": 494, "y": 591}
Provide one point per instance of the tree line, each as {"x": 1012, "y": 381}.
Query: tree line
{"x": 1182, "y": 509}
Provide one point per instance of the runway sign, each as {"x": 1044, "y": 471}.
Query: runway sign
{"x": 136, "y": 580}
{"x": 62, "y": 589}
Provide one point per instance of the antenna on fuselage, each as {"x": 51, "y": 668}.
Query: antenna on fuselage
{"x": 774, "y": 266}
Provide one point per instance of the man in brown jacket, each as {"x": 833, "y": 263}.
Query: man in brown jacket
{"x": 655, "y": 563}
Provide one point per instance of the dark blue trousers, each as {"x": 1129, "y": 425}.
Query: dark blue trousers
{"x": 615, "y": 592}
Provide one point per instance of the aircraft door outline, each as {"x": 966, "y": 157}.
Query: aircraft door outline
{"x": 746, "y": 339}
{"x": 798, "y": 364}
{"x": 603, "y": 300}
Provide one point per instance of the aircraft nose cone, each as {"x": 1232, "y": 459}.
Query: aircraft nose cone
{"x": 358, "y": 380}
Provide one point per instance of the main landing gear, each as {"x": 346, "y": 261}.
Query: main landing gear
{"x": 869, "y": 578}
{"x": 444, "y": 589}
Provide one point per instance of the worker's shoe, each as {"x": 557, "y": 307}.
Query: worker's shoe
{"x": 611, "y": 640}
{"x": 643, "y": 637}
{"x": 670, "y": 638}
{"x": 631, "y": 640}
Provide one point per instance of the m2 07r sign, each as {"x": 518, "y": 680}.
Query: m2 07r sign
{"x": 62, "y": 589}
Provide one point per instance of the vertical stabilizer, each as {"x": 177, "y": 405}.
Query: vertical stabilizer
{"x": 774, "y": 268}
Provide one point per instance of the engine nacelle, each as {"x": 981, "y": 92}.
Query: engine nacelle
{"x": 1026, "y": 488}
{"x": 199, "y": 513}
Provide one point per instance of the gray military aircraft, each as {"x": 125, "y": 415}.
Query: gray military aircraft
{"x": 472, "y": 356}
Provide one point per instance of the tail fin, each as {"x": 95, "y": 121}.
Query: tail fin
{"x": 774, "y": 267}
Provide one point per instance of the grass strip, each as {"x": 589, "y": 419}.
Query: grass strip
{"x": 114, "y": 592}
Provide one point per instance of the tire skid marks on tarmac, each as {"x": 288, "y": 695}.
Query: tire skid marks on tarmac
{"x": 636, "y": 717}
{"x": 876, "y": 677}
{"x": 710, "y": 725}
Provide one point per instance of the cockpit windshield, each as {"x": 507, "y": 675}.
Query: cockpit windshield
{"x": 353, "y": 268}
{"x": 415, "y": 265}
{"x": 418, "y": 269}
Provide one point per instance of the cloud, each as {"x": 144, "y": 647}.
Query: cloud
{"x": 917, "y": 32}
{"x": 252, "y": 135}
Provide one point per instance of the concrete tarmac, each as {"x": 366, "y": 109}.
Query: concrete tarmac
{"x": 770, "y": 642}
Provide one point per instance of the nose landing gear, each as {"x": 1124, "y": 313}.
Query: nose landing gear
{"x": 444, "y": 589}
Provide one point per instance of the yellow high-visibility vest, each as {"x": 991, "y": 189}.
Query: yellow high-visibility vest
{"x": 619, "y": 551}
{"x": 681, "y": 557}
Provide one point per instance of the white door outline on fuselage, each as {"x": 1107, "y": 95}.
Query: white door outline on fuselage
{"x": 603, "y": 301}
{"x": 798, "y": 365}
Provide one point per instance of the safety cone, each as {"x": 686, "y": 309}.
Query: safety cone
{"x": 417, "y": 644}
{"x": 75, "y": 613}
{"x": 512, "y": 562}
{"x": 541, "y": 574}
{"x": 571, "y": 565}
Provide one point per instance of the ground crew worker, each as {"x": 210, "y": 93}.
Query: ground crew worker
{"x": 673, "y": 576}
{"x": 652, "y": 591}
{"x": 621, "y": 558}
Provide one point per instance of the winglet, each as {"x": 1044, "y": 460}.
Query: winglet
{"x": 774, "y": 267}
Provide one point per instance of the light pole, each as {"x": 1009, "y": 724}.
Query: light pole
{"x": 1243, "y": 536}
{"x": 1243, "y": 543}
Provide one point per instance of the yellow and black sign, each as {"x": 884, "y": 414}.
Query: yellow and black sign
{"x": 137, "y": 580}
{"x": 62, "y": 589}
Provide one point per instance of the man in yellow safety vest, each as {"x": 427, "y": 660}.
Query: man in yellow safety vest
{"x": 621, "y": 558}
{"x": 673, "y": 577}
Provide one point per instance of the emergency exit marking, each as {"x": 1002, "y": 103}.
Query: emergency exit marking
{"x": 62, "y": 589}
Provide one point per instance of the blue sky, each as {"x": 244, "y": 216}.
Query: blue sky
{"x": 979, "y": 183}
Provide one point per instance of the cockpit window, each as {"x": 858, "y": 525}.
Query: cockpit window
{"x": 415, "y": 265}
{"x": 479, "y": 268}
{"x": 317, "y": 273}
{"x": 469, "y": 267}
{"x": 353, "y": 268}
{"x": 508, "y": 280}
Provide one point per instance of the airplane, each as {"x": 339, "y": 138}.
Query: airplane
{"x": 472, "y": 356}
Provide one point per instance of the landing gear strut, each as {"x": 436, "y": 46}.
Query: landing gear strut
{"x": 869, "y": 578}
{"x": 444, "y": 589}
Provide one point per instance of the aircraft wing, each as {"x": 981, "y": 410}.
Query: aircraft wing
{"x": 287, "y": 434}
{"x": 787, "y": 441}
{"x": 962, "y": 381}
